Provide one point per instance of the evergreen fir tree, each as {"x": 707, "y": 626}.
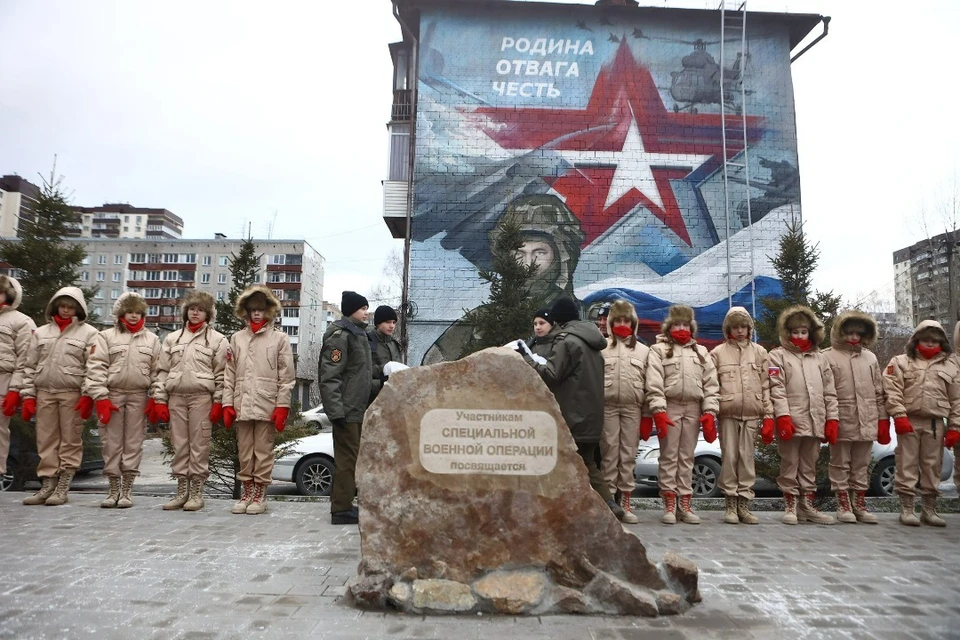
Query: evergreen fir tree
{"x": 508, "y": 312}
{"x": 244, "y": 271}
{"x": 44, "y": 259}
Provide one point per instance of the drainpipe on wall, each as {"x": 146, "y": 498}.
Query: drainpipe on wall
{"x": 826, "y": 30}
{"x": 413, "y": 77}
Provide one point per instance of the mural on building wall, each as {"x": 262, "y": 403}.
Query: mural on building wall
{"x": 603, "y": 140}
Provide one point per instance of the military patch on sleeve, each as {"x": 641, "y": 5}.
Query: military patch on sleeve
{"x": 773, "y": 372}
{"x": 889, "y": 369}
{"x": 336, "y": 355}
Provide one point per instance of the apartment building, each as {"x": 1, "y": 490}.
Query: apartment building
{"x": 17, "y": 200}
{"x": 927, "y": 281}
{"x": 121, "y": 220}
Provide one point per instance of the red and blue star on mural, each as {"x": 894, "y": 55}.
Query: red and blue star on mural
{"x": 624, "y": 147}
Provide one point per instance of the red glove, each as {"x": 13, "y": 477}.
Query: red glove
{"x": 902, "y": 425}
{"x": 831, "y": 431}
{"x": 766, "y": 431}
{"x": 104, "y": 408}
{"x": 662, "y": 422}
{"x": 148, "y": 410}
{"x": 10, "y": 403}
{"x": 229, "y": 415}
{"x": 709, "y": 424}
{"x": 29, "y": 409}
{"x": 84, "y": 406}
{"x": 216, "y": 412}
{"x": 883, "y": 431}
{"x": 161, "y": 413}
{"x": 646, "y": 427}
{"x": 785, "y": 427}
{"x": 951, "y": 439}
{"x": 279, "y": 417}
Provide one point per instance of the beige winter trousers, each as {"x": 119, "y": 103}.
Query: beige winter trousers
{"x": 122, "y": 437}
{"x": 255, "y": 440}
{"x": 190, "y": 434}
{"x": 4, "y": 424}
{"x": 59, "y": 432}
{"x": 738, "y": 469}
{"x": 849, "y": 460}
{"x": 798, "y": 464}
{"x": 618, "y": 446}
{"x": 677, "y": 449}
{"x": 919, "y": 456}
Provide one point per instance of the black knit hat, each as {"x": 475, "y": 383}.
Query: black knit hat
{"x": 545, "y": 314}
{"x": 604, "y": 310}
{"x": 384, "y": 314}
{"x": 564, "y": 310}
{"x": 351, "y": 301}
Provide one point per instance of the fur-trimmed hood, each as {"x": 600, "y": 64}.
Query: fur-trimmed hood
{"x": 928, "y": 327}
{"x": 11, "y": 287}
{"x": 736, "y": 316}
{"x": 869, "y": 334}
{"x": 272, "y": 304}
{"x": 75, "y": 294}
{"x": 786, "y": 322}
{"x": 129, "y": 302}
{"x": 679, "y": 313}
{"x": 623, "y": 309}
{"x": 200, "y": 299}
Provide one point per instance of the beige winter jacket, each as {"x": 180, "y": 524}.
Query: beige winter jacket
{"x": 260, "y": 374}
{"x": 123, "y": 361}
{"x": 681, "y": 374}
{"x": 191, "y": 363}
{"x": 921, "y": 387}
{"x": 16, "y": 332}
{"x": 801, "y": 383}
{"x": 624, "y": 373}
{"x": 744, "y": 383}
{"x": 59, "y": 360}
{"x": 857, "y": 378}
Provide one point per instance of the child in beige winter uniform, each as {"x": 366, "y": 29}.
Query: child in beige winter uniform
{"x": 805, "y": 404}
{"x": 190, "y": 381}
{"x": 56, "y": 390}
{"x": 923, "y": 389}
{"x": 256, "y": 392}
{"x": 16, "y": 331}
{"x": 124, "y": 368}
{"x": 683, "y": 395}
{"x": 624, "y": 378}
{"x": 744, "y": 402}
{"x": 863, "y": 416}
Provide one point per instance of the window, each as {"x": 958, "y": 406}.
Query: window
{"x": 153, "y": 310}
{"x": 151, "y": 293}
{"x": 101, "y": 259}
{"x": 152, "y": 275}
{"x": 222, "y": 278}
{"x": 101, "y": 276}
{"x": 118, "y": 259}
{"x": 138, "y": 257}
{"x": 293, "y": 277}
{"x": 170, "y": 293}
{"x": 293, "y": 347}
{"x": 99, "y": 294}
{"x": 220, "y": 295}
{"x": 85, "y": 276}
{"x": 170, "y": 258}
{"x": 126, "y": 228}
{"x": 114, "y": 294}
{"x": 153, "y": 257}
{"x": 291, "y": 313}
{"x": 170, "y": 275}
{"x": 167, "y": 310}
{"x": 117, "y": 276}
{"x": 204, "y": 278}
{"x": 188, "y": 258}
{"x": 126, "y": 218}
{"x": 86, "y": 260}
{"x": 223, "y": 261}
{"x": 291, "y": 330}
{"x": 278, "y": 259}
{"x": 278, "y": 293}
{"x": 206, "y": 261}
{"x": 186, "y": 276}
{"x": 275, "y": 276}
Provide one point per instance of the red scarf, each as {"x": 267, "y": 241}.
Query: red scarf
{"x": 929, "y": 352}
{"x": 854, "y": 344}
{"x": 680, "y": 336}
{"x": 195, "y": 327}
{"x": 256, "y": 326}
{"x": 63, "y": 323}
{"x": 133, "y": 328}
{"x": 622, "y": 331}
{"x": 803, "y": 344}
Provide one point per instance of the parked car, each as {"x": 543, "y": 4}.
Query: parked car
{"x": 23, "y": 458}
{"x": 309, "y": 464}
{"x": 706, "y": 467}
{"x": 316, "y": 418}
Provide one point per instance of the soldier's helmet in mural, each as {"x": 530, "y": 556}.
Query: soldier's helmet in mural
{"x": 545, "y": 218}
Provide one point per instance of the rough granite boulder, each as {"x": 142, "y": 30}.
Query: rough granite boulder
{"x": 473, "y": 498}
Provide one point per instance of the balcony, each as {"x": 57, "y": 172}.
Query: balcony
{"x": 402, "y": 105}
{"x": 395, "y": 206}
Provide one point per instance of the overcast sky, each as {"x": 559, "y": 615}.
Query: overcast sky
{"x": 274, "y": 114}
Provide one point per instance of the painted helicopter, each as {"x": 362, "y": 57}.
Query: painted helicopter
{"x": 701, "y": 81}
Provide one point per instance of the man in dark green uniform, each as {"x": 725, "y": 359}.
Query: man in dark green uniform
{"x": 386, "y": 348}
{"x": 345, "y": 384}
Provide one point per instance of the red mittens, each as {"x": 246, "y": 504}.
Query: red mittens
{"x": 902, "y": 425}
{"x": 951, "y": 439}
{"x": 29, "y": 409}
{"x": 279, "y": 417}
{"x": 10, "y": 403}
{"x": 785, "y": 427}
{"x": 229, "y": 415}
{"x": 84, "y": 406}
{"x": 148, "y": 410}
{"x": 831, "y": 431}
{"x": 646, "y": 427}
{"x": 216, "y": 412}
{"x": 883, "y": 431}
{"x": 104, "y": 408}
{"x": 766, "y": 431}
{"x": 709, "y": 424}
{"x": 161, "y": 413}
{"x": 662, "y": 422}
